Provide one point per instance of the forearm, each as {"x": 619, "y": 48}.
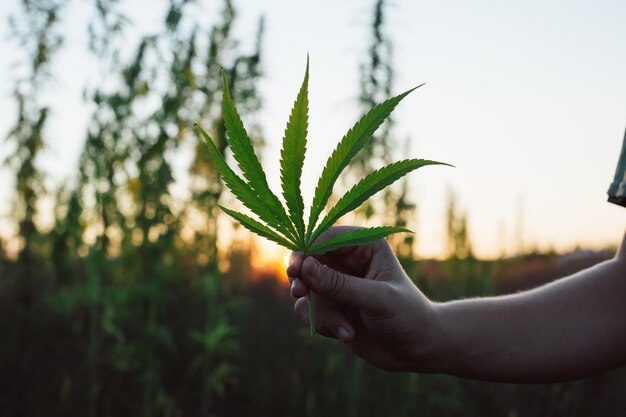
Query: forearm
{"x": 571, "y": 328}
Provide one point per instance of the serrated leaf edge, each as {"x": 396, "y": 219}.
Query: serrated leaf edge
{"x": 258, "y": 228}
{"x": 243, "y": 153}
{"x": 369, "y": 186}
{"x": 239, "y": 187}
{"x": 295, "y": 141}
{"x": 352, "y": 142}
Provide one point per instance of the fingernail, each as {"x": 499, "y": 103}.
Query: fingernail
{"x": 342, "y": 333}
{"x": 294, "y": 283}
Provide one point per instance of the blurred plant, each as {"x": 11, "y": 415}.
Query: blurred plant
{"x": 120, "y": 215}
{"x": 244, "y": 73}
{"x": 218, "y": 341}
{"x": 36, "y": 29}
{"x": 394, "y": 206}
{"x": 458, "y": 239}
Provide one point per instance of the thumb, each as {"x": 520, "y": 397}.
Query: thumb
{"x": 360, "y": 293}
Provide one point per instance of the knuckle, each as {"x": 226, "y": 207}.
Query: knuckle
{"x": 335, "y": 282}
{"x": 386, "y": 292}
{"x": 386, "y": 297}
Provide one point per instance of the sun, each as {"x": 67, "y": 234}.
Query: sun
{"x": 269, "y": 259}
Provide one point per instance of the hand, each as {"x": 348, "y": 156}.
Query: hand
{"x": 363, "y": 297}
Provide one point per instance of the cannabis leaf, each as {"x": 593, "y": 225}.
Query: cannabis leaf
{"x": 355, "y": 237}
{"x": 287, "y": 227}
{"x": 292, "y": 156}
{"x": 242, "y": 150}
{"x": 367, "y": 187}
{"x": 349, "y": 145}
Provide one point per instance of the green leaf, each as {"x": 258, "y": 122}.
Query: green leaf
{"x": 349, "y": 145}
{"x": 239, "y": 187}
{"x": 292, "y": 155}
{"x": 244, "y": 154}
{"x": 355, "y": 237}
{"x": 259, "y": 228}
{"x": 369, "y": 186}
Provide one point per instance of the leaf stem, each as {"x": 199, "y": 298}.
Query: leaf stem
{"x": 309, "y": 301}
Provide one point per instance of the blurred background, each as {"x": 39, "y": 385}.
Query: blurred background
{"x": 125, "y": 291}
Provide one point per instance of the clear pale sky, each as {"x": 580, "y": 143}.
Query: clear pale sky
{"x": 527, "y": 99}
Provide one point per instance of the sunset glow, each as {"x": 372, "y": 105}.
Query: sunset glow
{"x": 268, "y": 259}
{"x": 484, "y": 74}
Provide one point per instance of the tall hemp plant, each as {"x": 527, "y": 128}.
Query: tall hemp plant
{"x": 286, "y": 225}
{"x": 376, "y": 84}
{"x": 36, "y": 28}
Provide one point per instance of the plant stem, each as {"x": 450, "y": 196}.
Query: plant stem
{"x": 309, "y": 301}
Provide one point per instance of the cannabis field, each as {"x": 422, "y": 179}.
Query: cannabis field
{"x": 120, "y": 297}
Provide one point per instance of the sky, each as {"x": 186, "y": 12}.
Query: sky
{"x": 526, "y": 99}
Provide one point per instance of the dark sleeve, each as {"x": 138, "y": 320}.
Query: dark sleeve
{"x": 617, "y": 190}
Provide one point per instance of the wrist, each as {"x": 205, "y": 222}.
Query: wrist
{"x": 437, "y": 353}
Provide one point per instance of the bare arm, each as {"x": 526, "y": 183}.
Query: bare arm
{"x": 573, "y": 327}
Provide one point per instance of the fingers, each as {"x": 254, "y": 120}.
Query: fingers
{"x": 366, "y": 295}
{"x": 351, "y": 261}
{"x": 329, "y": 321}
{"x": 298, "y": 289}
{"x": 295, "y": 263}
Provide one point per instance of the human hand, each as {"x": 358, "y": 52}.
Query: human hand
{"x": 363, "y": 297}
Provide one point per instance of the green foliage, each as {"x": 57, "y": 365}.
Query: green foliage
{"x": 289, "y": 230}
{"x": 264, "y": 199}
{"x": 37, "y": 30}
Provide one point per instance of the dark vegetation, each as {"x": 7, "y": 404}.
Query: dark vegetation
{"x": 120, "y": 308}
